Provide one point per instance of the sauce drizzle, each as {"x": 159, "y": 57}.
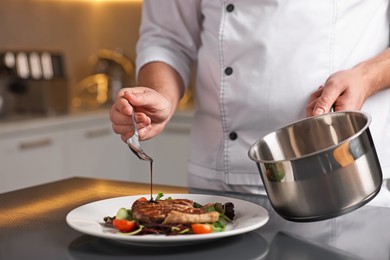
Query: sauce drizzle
{"x": 151, "y": 181}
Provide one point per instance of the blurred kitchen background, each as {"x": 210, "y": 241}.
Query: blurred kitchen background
{"x": 61, "y": 65}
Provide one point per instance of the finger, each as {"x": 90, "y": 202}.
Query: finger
{"x": 142, "y": 119}
{"x": 125, "y": 137}
{"x": 316, "y": 94}
{"x": 122, "y": 105}
{"x": 135, "y": 96}
{"x": 117, "y": 117}
{"x": 313, "y": 99}
{"x": 127, "y": 131}
{"x": 123, "y": 129}
{"x": 326, "y": 100}
{"x": 146, "y": 100}
{"x": 310, "y": 107}
{"x": 126, "y": 128}
{"x": 144, "y": 132}
{"x": 137, "y": 100}
{"x": 143, "y": 123}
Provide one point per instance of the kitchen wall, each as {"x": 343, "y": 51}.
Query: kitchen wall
{"x": 77, "y": 28}
{"x": 81, "y": 144}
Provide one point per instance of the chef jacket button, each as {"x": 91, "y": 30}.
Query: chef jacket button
{"x": 228, "y": 71}
{"x": 233, "y": 136}
{"x": 230, "y": 8}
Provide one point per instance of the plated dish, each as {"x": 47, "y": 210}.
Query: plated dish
{"x": 88, "y": 219}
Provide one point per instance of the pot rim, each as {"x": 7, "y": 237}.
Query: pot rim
{"x": 358, "y": 133}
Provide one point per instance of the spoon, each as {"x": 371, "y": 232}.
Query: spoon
{"x": 134, "y": 145}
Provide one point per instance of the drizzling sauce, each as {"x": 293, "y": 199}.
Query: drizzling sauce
{"x": 151, "y": 181}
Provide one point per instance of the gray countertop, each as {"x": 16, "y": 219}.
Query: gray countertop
{"x": 33, "y": 226}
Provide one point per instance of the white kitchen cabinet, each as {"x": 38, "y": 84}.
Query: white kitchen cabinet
{"x": 31, "y": 159}
{"x": 94, "y": 150}
{"x": 49, "y": 149}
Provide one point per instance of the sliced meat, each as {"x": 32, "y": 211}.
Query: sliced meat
{"x": 156, "y": 212}
{"x": 174, "y": 217}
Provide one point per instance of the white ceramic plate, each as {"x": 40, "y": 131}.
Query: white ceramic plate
{"x": 88, "y": 219}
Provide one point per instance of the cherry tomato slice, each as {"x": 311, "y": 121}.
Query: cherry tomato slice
{"x": 124, "y": 225}
{"x": 142, "y": 199}
{"x": 201, "y": 228}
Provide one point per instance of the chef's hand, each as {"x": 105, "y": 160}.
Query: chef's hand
{"x": 344, "y": 90}
{"x": 151, "y": 112}
{"x": 154, "y": 105}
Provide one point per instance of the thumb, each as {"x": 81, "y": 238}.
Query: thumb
{"x": 133, "y": 98}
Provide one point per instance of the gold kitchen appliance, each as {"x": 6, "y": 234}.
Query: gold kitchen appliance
{"x": 113, "y": 70}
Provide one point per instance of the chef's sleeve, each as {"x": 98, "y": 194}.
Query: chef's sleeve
{"x": 170, "y": 33}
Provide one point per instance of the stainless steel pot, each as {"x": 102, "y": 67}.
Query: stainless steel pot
{"x": 320, "y": 167}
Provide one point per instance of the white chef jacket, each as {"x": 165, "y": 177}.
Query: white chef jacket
{"x": 257, "y": 64}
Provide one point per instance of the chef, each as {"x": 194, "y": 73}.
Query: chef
{"x": 260, "y": 65}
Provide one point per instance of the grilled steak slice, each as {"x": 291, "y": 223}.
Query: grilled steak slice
{"x": 156, "y": 212}
{"x": 190, "y": 218}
